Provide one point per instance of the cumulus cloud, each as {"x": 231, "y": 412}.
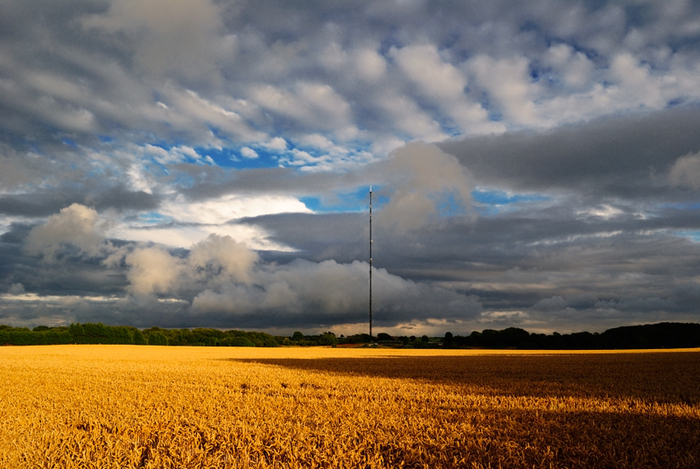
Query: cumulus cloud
{"x": 370, "y": 65}
{"x": 208, "y": 264}
{"x": 247, "y": 152}
{"x": 226, "y": 280}
{"x": 636, "y": 81}
{"x": 573, "y": 66}
{"x": 16, "y": 289}
{"x": 304, "y": 292}
{"x": 76, "y": 225}
{"x": 152, "y": 270}
{"x": 421, "y": 178}
{"x": 222, "y": 256}
{"x": 425, "y": 67}
{"x": 685, "y": 172}
{"x": 445, "y": 84}
{"x": 508, "y": 82}
{"x": 294, "y": 287}
{"x": 308, "y": 103}
{"x": 408, "y": 117}
{"x": 191, "y": 109}
{"x": 276, "y": 144}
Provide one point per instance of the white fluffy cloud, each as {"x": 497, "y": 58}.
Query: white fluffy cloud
{"x": 443, "y": 83}
{"x": 188, "y": 109}
{"x": 575, "y": 69}
{"x": 310, "y": 104}
{"x": 422, "y": 177}
{"x": 226, "y": 278}
{"x": 222, "y": 256}
{"x": 247, "y": 152}
{"x": 76, "y": 225}
{"x": 424, "y": 66}
{"x": 152, "y": 270}
{"x": 637, "y": 83}
{"x": 370, "y": 65}
{"x": 209, "y": 263}
{"x": 408, "y": 118}
{"x": 339, "y": 290}
{"x": 508, "y": 82}
{"x": 686, "y": 171}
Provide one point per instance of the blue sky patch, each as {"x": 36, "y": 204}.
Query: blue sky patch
{"x": 154, "y": 218}
{"x": 354, "y": 201}
{"x": 503, "y": 198}
{"x": 693, "y": 235}
{"x": 232, "y": 158}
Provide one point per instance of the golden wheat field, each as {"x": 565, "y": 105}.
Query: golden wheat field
{"x": 102, "y": 406}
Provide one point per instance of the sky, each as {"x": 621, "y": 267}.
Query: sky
{"x": 199, "y": 163}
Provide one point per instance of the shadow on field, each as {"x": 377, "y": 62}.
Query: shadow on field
{"x": 581, "y": 439}
{"x": 669, "y": 377}
{"x": 613, "y": 440}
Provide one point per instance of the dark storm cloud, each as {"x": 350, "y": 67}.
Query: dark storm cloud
{"x": 121, "y": 198}
{"x": 614, "y": 156}
{"x": 44, "y": 204}
{"x": 318, "y": 237}
{"x": 458, "y": 251}
{"x": 218, "y": 182}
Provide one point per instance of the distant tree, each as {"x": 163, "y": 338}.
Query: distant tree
{"x": 76, "y": 330}
{"x": 270, "y": 342}
{"x": 328, "y": 338}
{"x": 447, "y": 341}
{"x": 157, "y": 338}
{"x": 41, "y": 328}
{"x": 121, "y": 335}
{"x": 297, "y": 336}
{"x": 384, "y": 336}
{"x": 56, "y": 336}
{"x": 514, "y": 337}
{"x": 661, "y": 335}
{"x": 240, "y": 342}
{"x": 22, "y": 336}
{"x": 138, "y": 337}
{"x": 425, "y": 339}
{"x": 579, "y": 341}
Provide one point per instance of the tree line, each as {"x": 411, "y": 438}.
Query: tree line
{"x": 662, "y": 335}
{"x": 98, "y": 333}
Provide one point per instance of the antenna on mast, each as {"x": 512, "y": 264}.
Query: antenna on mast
{"x": 370, "y": 261}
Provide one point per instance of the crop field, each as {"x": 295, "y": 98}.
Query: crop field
{"x": 121, "y": 406}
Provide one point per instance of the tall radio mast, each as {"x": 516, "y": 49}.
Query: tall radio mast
{"x": 370, "y": 261}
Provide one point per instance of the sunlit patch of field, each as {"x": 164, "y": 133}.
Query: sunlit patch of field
{"x": 138, "y": 406}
